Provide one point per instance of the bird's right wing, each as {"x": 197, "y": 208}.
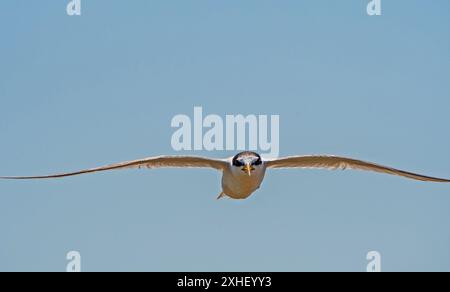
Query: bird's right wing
{"x": 336, "y": 162}
{"x": 151, "y": 162}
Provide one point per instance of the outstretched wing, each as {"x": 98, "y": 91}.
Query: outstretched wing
{"x": 335, "y": 162}
{"x": 151, "y": 162}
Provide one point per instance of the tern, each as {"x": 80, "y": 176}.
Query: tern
{"x": 243, "y": 174}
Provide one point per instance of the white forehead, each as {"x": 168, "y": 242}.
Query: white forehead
{"x": 247, "y": 156}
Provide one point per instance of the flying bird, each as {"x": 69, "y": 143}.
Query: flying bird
{"x": 243, "y": 174}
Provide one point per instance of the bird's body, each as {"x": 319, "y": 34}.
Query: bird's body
{"x": 238, "y": 184}
{"x": 243, "y": 174}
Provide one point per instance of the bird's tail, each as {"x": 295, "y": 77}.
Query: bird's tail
{"x": 221, "y": 195}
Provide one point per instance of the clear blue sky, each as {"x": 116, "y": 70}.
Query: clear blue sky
{"x": 78, "y": 92}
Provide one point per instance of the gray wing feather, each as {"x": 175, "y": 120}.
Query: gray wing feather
{"x": 336, "y": 162}
{"x": 151, "y": 162}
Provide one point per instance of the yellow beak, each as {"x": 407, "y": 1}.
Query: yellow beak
{"x": 248, "y": 169}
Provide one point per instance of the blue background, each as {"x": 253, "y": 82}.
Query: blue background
{"x": 79, "y": 92}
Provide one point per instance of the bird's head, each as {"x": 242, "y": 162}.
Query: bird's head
{"x": 247, "y": 161}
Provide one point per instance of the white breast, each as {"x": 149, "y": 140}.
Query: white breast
{"x": 238, "y": 185}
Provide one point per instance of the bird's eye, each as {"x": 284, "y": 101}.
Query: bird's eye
{"x": 238, "y": 163}
{"x": 258, "y": 162}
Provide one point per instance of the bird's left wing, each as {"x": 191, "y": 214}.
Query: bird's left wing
{"x": 335, "y": 162}
{"x": 151, "y": 162}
